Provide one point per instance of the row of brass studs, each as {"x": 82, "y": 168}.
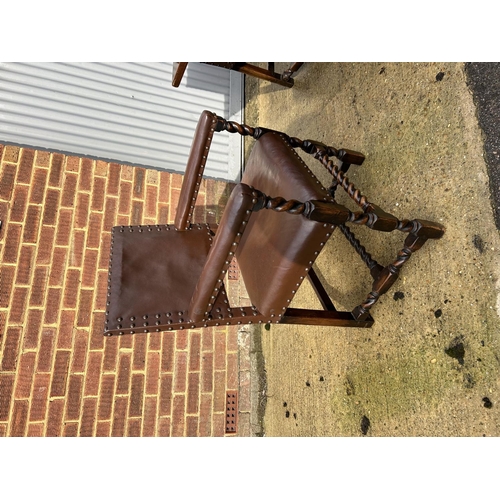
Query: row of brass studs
{"x": 201, "y": 169}
{"x": 231, "y": 253}
{"x": 327, "y": 235}
{"x": 164, "y": 227}
{"x": 308, "y": 170}
{"x": 229, "y": 257}
{"x": 307, "y": 269}
{"x": 207, "y": 323}
{"x": 365, "y": 256}
{"x": 119, "y": 320}
{"x": 106, "y": 328}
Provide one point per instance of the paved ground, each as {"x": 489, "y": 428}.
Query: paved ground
{"x": 484, "y": 81}
{"x": 430, "y": 364}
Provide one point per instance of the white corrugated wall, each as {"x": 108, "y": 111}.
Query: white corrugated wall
{"x": 125, "y": 112}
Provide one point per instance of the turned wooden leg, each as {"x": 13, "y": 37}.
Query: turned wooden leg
{"x": 423, "y": 231}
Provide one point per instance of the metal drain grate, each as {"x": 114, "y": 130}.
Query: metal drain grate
{"x": 231, "y": 412}
{"x": 233, "y": 271}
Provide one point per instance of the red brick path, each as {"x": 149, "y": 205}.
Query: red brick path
{"x": 58, "y": 375}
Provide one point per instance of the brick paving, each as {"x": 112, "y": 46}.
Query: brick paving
{"x": 59, "y": 376}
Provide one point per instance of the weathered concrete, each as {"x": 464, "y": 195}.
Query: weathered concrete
{"x": 433, "y": 355}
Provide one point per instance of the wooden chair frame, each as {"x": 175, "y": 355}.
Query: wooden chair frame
{"x": 327, "y": 212}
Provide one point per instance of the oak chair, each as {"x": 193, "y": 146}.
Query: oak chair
{"x": 269, "y": 74}
{"x": 276, "y": 222}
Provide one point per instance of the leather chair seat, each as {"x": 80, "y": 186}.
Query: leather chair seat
{"x": 289, "y": 243}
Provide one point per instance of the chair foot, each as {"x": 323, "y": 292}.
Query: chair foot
{"x": 385, "y": 278}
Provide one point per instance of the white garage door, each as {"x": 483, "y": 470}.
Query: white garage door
{"x": 125, "y": 112}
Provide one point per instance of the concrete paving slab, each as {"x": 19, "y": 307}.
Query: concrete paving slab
{"x": 430, "y": 364}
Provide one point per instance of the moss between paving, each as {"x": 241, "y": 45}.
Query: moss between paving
{"x": 430, "y": 364}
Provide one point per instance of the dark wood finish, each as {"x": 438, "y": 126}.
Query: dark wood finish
{"x": 366, "y": 257}
{"x": 349, "y": 156}
{"x": 327, "y": 211}
{"x": 325, "y": 318}
{"x": 320, "y": 151}
{"x": 178, "y": 70}
{"x": 263, "y": 74}
{"x": 333, "y": 186}
{"x": 321, "y": 293}
{"x": 420, "y": 232}
{"x": 269, "y": 74}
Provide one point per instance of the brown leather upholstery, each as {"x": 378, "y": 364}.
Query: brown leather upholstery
{"x": 195, "y": 167}
{"x": 233, "y": 222}
{"x": 277, "y": 249}
{"x": 171, "y": 277}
